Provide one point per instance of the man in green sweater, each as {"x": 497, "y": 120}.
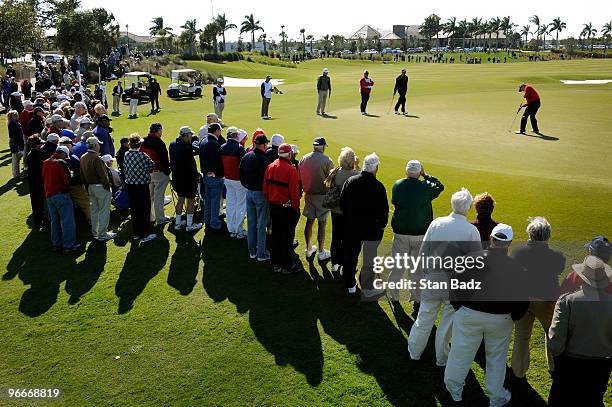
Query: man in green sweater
{"x": 413, "y": 213}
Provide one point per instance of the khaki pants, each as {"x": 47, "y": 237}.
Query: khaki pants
{"x": 157, "y": 189}
{"x": 219, "y": 109}
{"x": 116, "y": 101}
{"x": 543, "y": 311}
{"x": 404, "y": 244}
{"x": 81, "y": 199}
{"x": 16, "y": 163}
{"x": 100, "y": 198}
{"x": 322, "y": 101}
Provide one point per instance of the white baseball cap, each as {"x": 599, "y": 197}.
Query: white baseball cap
{"x": 107, "y": 158}
{"x": 62, "y": 149}
{"x": 502, "y": 232}
{"x": 414, "y": 167}
{"x": 53, "y": 137}
{"x": 277, "y": 140}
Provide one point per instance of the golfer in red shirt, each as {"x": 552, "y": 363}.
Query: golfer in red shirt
{"x": 365, "y": 87}
{"x": 532, "y": 104}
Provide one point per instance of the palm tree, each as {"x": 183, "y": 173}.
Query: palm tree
{"x": 474, "y": 28}
{"x": 250, "y": 25}
{"x": 525, "y": 31}
{"x": 326, "y": 42}
{"x": 262, "y": 39}
{"x": 606, "y": 32}
{"x": 338, "y": 41}
{"x": 496, "y": 25}
{"x": 558, "y": 26}
{"x": 431, "y": 28}
{"x": 462, "y": 29}
{"x": 536, "y": 21}
{"x": 450, "y": 28}
{"x": 160, "y": 30}
{"x": 223, "y": 25}
{"x": 190, "y": 33}
{"x": 506, "y": 26}
{"x": 310, "y": 38}
{"x": 589, "y": 31}
{"x": 543, "y": 31}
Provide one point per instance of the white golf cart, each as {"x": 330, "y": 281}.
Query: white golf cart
{"x": 185, "y": 82}
{"x": 141, "y": 79}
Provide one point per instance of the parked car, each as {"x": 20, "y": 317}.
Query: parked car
{"x": 52, "y": 58}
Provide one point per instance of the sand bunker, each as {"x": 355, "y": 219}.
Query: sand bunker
{"x": 588, "y": 82}
{"x": 247, "y": 83}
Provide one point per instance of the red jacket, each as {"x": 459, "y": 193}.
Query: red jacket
{"x": 56, "y": 176}
{"x": 281, "y": 184}
{"x": 366, "y": 85}
{"x": 530, "y": 94}
{"x": 24, "y": 118}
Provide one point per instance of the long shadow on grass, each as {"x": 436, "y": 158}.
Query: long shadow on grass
{"x": 282, "y": 309}
{"x": 184, "y": 263}
{"x": 41, "y": 269}
{"x": 19, "y": 185}
{"x": 142, "y": 263}
{"x": 84, "y": 276}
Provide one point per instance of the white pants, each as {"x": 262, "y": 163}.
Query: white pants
{"x": 157, "y": 190}
{"x": 235, "y": 206}
{"x": 419, "y": 334}
{"x": 470, "y": 327}
{"x": 133, "y": 107}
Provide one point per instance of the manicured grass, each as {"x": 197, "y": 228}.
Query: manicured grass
{"x": 195, "y": 322}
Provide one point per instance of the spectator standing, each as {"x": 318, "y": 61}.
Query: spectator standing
{"x": 56, "y": 178}
{"x": 102, "y": 132}
{"x": 211, "y": 166}
{"x": 235, "y": 200}
{"x": 315, "y": 167}
{"x": 412, "y": 198}
{"x": 117, "y": 92}
{"x": 95, "y": 176}
{"x": 251, "y": 170}
{"x": 137, "y": 168}
{"x": 16, "y": 142}
{"x": 447, "y": 235}
{"x": 348, "y": 165}
{"x": 185, "y": 178}
{"x": 544, "y": 265}
{"x": 484, "y": 205}
{"x": 155, "y": 148}
{"x": 580, "y": 338}
{"x": 365, "y": 221}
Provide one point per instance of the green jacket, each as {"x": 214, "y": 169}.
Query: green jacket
{"x": 412, "y": 200}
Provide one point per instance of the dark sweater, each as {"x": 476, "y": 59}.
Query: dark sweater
{"x": 504, "y": 288}
{"x": 252, "y": 168}
{"x": 363, "y": 201}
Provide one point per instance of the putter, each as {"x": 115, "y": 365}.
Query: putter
{"x": 514, "y": 120}
{"x": 392, "y": 99}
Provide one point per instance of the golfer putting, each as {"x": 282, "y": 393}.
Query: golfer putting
{"x": 323, "y": 90}
{"x": 532, "y": 104}
{"x": 401, "y": 87}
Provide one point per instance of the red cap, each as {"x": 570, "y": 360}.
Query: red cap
{"x": 284, "y": 148}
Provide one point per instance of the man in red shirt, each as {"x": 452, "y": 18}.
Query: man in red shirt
{"x": 281, "y": 188}
{"x": 56, "y": 178}
{"x": 365, "y": 87}
{"x": 532, "y": 104}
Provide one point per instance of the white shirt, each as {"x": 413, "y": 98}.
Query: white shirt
{"x": 268, "y": 89}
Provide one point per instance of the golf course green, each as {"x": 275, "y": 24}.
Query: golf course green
{"x": 189, "y": 319}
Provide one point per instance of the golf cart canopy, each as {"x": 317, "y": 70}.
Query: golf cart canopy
{"x": 137, "y": 74}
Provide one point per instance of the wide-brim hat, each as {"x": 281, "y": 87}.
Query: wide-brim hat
{"x": 594, "y": 271}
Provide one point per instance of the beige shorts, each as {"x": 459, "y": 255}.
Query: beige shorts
{"x": 313, "y": 207}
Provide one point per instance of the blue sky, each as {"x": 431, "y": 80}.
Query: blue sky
{"x": 345, "y": 17}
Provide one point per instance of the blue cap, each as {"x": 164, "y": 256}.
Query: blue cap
{"x": 67, "y": 133}
{"x": 600, "y": 246}
{"x": 320, "y": 142}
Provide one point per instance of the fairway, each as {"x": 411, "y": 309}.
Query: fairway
{"x": 191, "y": 320}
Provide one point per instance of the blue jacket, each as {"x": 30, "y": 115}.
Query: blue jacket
{"x": 210, "y": 156}
{"x": 107, "y": 146}
{"x": 182, "y": 161}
